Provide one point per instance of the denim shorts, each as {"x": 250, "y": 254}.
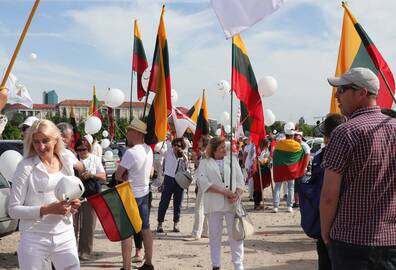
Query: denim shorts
{"x": 143, "y": 204}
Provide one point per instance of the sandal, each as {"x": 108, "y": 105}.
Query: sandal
{"x": 137, "y": 259}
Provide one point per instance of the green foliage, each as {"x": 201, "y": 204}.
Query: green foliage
{"x": 11, "y": 130}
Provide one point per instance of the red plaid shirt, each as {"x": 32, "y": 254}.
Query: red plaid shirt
{"x": 363, "y": 151}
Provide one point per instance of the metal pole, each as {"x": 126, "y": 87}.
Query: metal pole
{"x": 232, "y": 97}
{"x": 145, "y": 104}
{"x": 3, "y": 96}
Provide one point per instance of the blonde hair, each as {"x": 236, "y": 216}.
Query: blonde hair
{"x": 212, "y": 146}
{"x": 49, "y": 129}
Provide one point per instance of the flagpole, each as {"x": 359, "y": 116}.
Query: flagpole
{"x": 387, "y": 86}
{"x": 3, "y": 96}
{"x": 130, "y": 100}
{"x": 145, "y": 103}
{"x": 232, "y": 98}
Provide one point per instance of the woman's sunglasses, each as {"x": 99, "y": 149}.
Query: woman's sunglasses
{"x": 82, "y": 149}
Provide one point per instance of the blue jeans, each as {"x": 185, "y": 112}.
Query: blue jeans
{"x": 144, "y": 211}
{"x": 290, "y": 193}
{"x": 170, "y": 187}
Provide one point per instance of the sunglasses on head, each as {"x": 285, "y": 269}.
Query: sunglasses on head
{"x": 343, "y": 88}
{"x": 82, "y": 149}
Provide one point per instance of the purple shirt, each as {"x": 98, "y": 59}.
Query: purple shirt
{"x": 363, "y": 151}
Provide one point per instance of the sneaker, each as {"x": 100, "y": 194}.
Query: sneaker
{"x": 176, "y": 227}
{"x": 191, "y": 238}
{"x": 275, "y": 210}
{"x": 146, "y": 266}
{"x": 216, "y": 268}
{"x": 84, "y": 257}
{"x": 290, "y": 209}
{"x": 159, "y": 228}
{"x": 296, "y": 205}
{"x": 137, "y": 259}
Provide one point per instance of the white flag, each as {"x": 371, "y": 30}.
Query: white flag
{"x": 236, "y": 16}
{"x": 17, "y": 92}
{"x": 182, "y": 122}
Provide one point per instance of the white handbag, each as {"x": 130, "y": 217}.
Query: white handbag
{"x": 183, "y": 177}
{"x": 243, "y": 225}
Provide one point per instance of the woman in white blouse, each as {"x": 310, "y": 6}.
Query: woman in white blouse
{"x": 45, "y": 223}
{"x": 85, "y": 219}
{"x": 220, "y": 195}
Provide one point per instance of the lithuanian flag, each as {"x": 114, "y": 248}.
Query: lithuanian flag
{"x": 117, "y": 211}
{"x": 288, "y": 160}
{"x": 245, "y": 86}
{"x": 202, "y": 123}
{"x": 139, "y": 60}
{"x": 161, "y": 107}
{"x": 95, "y": 104}
{"x": 193, "y": 111}
{"x": 160, "y": 67}
{"x": 358, "y": 50}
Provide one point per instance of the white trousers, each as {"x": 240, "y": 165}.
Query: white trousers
{"x": 200, "y": 226}
{"x": 36, "y": 250}
{"x": 215, "y": 232}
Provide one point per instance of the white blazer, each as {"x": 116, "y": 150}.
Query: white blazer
{"x": 209, "y": 175}
{"x": 30, "y": 190}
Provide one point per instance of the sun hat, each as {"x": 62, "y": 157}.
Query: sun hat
{"x": 138, "y": 125}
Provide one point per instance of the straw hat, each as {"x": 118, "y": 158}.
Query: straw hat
{"x": 138, "y": 125}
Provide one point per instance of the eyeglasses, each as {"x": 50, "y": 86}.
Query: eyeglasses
{"x": 82, "y": 149}
{"x": 343, "y": 88}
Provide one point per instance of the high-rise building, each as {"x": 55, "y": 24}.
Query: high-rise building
{"x": 50, "y": 97}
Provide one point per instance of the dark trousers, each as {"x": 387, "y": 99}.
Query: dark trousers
{"x": 324, "y": 262}
{"x": 170, "y": 187}
{"x": 346, "y": 256}
{"x": 257, "y": 197}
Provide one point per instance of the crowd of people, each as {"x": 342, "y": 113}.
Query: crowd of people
{"x": 355, "y": 218}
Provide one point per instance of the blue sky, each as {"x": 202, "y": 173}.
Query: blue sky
{"x": 82, "y": 43}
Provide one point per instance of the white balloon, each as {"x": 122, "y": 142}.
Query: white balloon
{"x": 218, "y": 132}
{"x": 33, "y": 56}
{"x": 114, "y": 98}
{"x": 146, "y": 77}
{"x": 69, "y": 188}
{"x": 269, "y": 117}
{"x": 108, "y": 155}
{"x": 224, "y": 117}
{"x": 92, "y": 125}
{"x": 8, "y": 163}
{"x": 105, "y": 133}
{"x": 227, "y": 128}
{"x": 267, "y": 86}
{"x": 174, "y": 96}
{"x": 223, "y": 86}
{"x": 105, "y": 143}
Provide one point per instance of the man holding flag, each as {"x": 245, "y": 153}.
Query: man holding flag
{"x": 137, "y": 163}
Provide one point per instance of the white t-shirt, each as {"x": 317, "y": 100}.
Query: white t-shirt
{"x": 93, "y": 164}
{"x": 170, "y": 163}
{"x": 306, "y": 148}
{"x": 97, "y": 150}
{"x": 138, "y": 160}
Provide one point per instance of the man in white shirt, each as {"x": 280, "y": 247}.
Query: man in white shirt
{"x": 137, "y": 162}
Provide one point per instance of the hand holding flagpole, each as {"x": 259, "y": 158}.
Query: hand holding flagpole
{"x": 3, "y": 93}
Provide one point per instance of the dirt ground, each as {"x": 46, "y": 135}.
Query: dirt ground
{"x": 278, "y": 243}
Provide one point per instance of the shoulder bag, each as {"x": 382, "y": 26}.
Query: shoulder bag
{"x": 243, "y": 225}
{"x": 183, "y": 177}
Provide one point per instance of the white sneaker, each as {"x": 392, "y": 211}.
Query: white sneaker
{"x": 275, "y": 210}
{"x": 290, "y": 209}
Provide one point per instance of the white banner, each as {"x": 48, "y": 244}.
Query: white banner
{"x": 236, "y": 16}
{"x": 17, "y": 92}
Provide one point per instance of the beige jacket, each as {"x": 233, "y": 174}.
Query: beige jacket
{"x": 209, "y": 174}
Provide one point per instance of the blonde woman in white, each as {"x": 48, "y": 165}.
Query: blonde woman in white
{"x": 45, "y": 223}
{"x": 220, "y": 195}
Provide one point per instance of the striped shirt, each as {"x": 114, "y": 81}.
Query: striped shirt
{"x": 363, "y": 151}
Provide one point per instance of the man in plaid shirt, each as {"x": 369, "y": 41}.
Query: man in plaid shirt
{"x": 358, "y": 199}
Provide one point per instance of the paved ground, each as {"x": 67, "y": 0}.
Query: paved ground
{"x": 278, "y": 244}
